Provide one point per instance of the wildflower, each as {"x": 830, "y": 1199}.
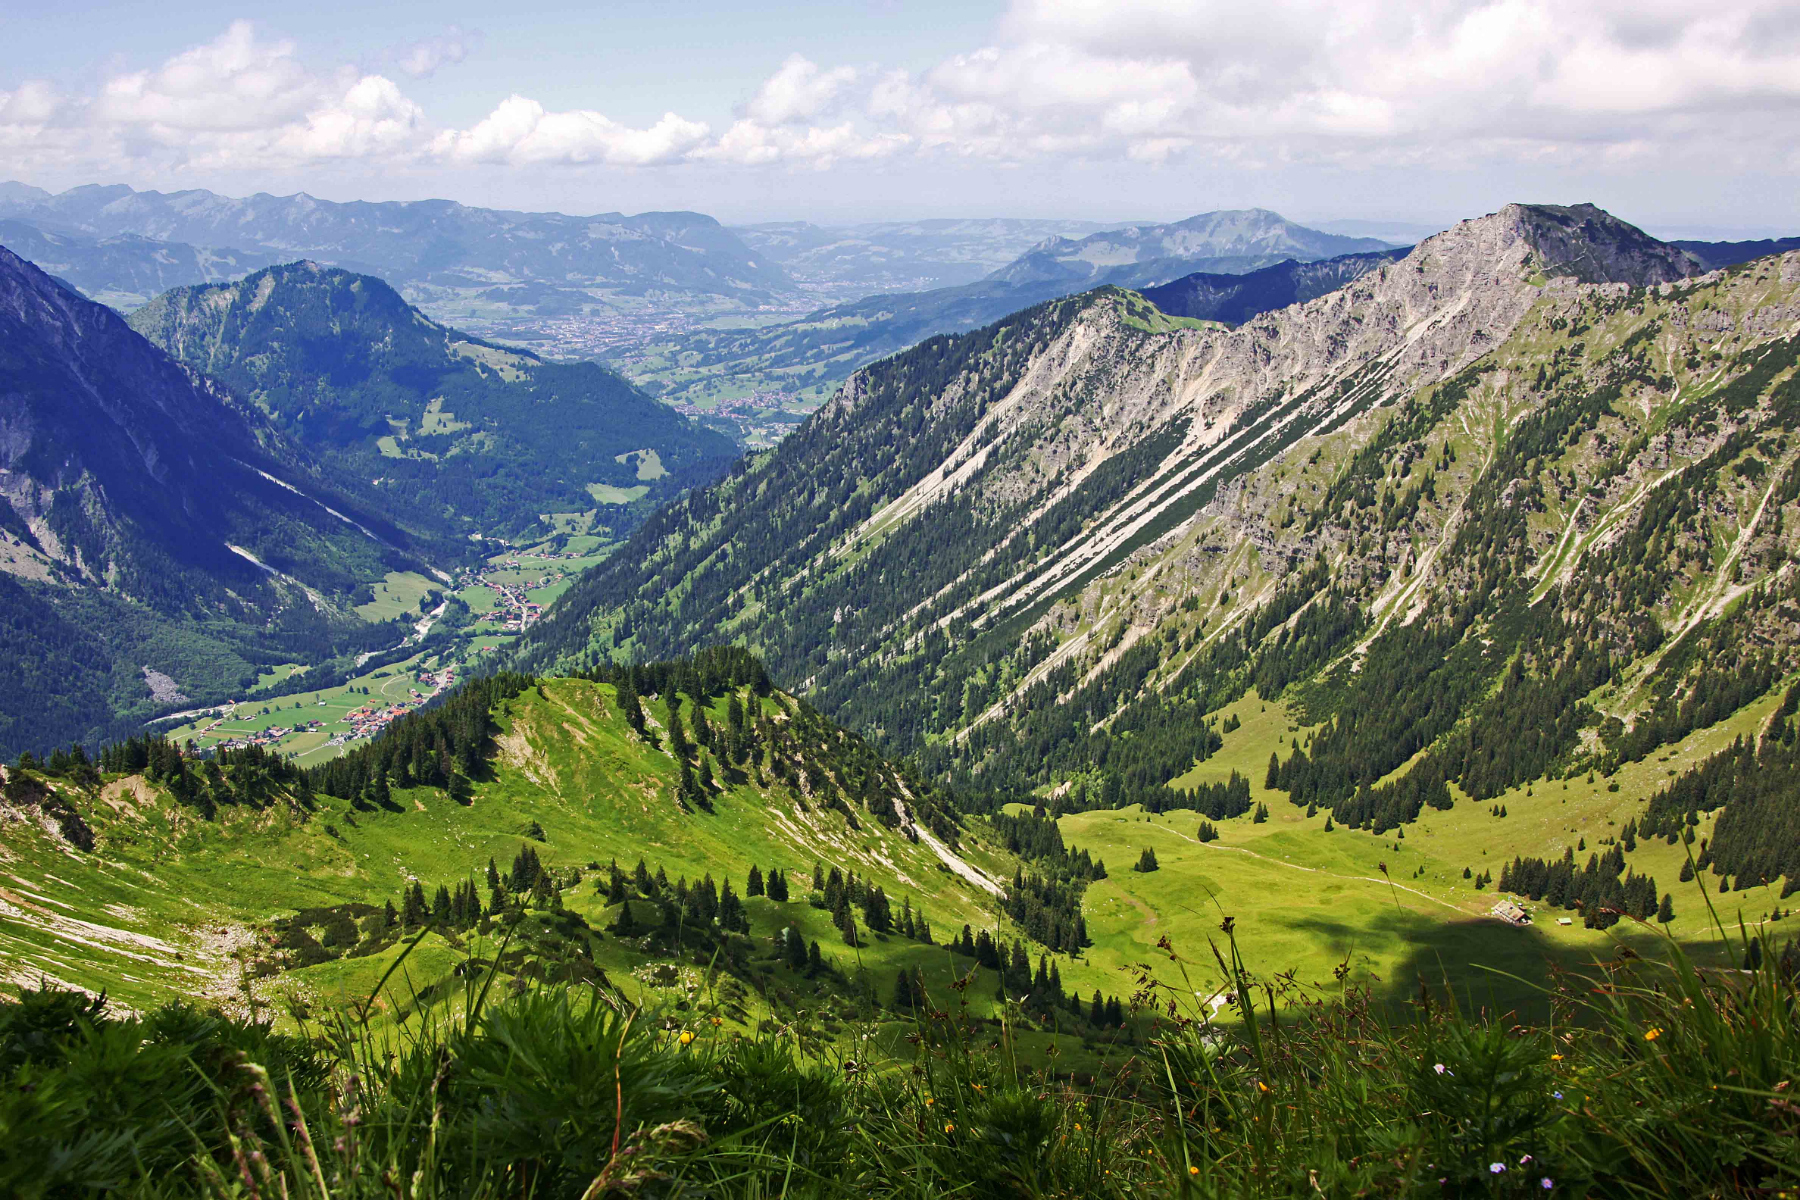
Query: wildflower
{"x": 717, "y": 1021}
{"x": 1525, "y": 1160}
{"x": 931, "y": 1100}
{"x": 1193, "y": 1170}
{"x": 1547, "y": 1183}
{"x": 949, "y": 1127}
{"x": 1650, "y": 1035}
{"x": 1497, "y": 1168}
{"x": 1556, "y": 1058}
{"x": 687, "y": 1035}
{"x": 1261, "y": 1086}
{"x": 1558, "y": 1095}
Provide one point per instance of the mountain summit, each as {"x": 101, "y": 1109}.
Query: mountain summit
{"x": 1227, "y": 242}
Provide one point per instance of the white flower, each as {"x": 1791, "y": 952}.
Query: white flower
{"x": 1441, "y": 1069}
{"x": 1497, "y": 1168}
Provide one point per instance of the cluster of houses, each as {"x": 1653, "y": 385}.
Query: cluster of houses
{"x": 270, "y": 736}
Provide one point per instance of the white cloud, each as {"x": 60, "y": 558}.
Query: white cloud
{"x": 1440, "y": 82}
{"x": 233, "y": 83}
{"x": 373, "y": 118}
{"x": 33, "y": 103}
{"x": 520, "y": 131}
{"x": 798, "y": 91}
{"x": 423, "y": 58}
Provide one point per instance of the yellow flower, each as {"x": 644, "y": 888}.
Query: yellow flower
{"x": 1193, "y": 1170}
{"x": 929, "y": 1101}
{"x": 1650, "y": 1035}
{"x": 949, "y": 1127}
{"x": 687, "y": 1035}
{"x": 1077, "y": 1128}
{"x": 1556, "y": 1058}
{"x": 1261, "y": 1086}
{"x": 717, "y": 1021}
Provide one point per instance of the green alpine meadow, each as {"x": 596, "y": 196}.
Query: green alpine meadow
{"x": 1211, "y": 708}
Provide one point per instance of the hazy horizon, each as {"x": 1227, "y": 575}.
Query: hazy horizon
{"x": 1677, "y": 120}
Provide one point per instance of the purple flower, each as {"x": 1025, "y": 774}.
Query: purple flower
{"x": 1497, "y": 1168}
{"x": 1558, "y": 1095}
{"x": 1547, "y": 1182}
{"x": 1525, "y": 1160}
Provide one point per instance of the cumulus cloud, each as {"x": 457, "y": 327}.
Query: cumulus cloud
{"x": 1457, "y": 76}
{"x": 798, "y": 91}
{"x": 1605, "y": 81}
{"x": 232, "y": 83}
{"x": 521, "y": 131}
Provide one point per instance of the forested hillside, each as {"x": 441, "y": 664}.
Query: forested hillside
{"x": 1516, "y": 507}
{"x": 154, "y": 528}
{"x": 479, "y": 438}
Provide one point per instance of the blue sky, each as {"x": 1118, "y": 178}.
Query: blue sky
{"x": 1680, "y": 117}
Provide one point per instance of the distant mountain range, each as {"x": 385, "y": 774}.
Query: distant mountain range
{"x": 448, "y": 427}
{"x": 427, "y": 240}
{"x": 902, "y": 256}
{"x": 125, "y": 270}
{"x": 815, "y": 353}
{"x": 1229, "y": 242}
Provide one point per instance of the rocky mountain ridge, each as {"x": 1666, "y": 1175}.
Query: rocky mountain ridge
{"x": 1101, "y": 518}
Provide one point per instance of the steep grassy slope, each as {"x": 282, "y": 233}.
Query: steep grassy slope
{"x": 485, "y": 439}
{"x": 190, "y": 885}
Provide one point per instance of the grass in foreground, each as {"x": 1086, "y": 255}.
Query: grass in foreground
{"x": 1654, "y": 1078}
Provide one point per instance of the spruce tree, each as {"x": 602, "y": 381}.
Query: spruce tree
{"x": 1146, "y": 861}
{"x": 731, "y": 911}
{"x": 815, "y": 962}
{"x": 753, "y": 886}
{"x": 412, "y": 912}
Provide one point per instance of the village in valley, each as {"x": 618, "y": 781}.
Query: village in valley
{"x": 462, "y": 624}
